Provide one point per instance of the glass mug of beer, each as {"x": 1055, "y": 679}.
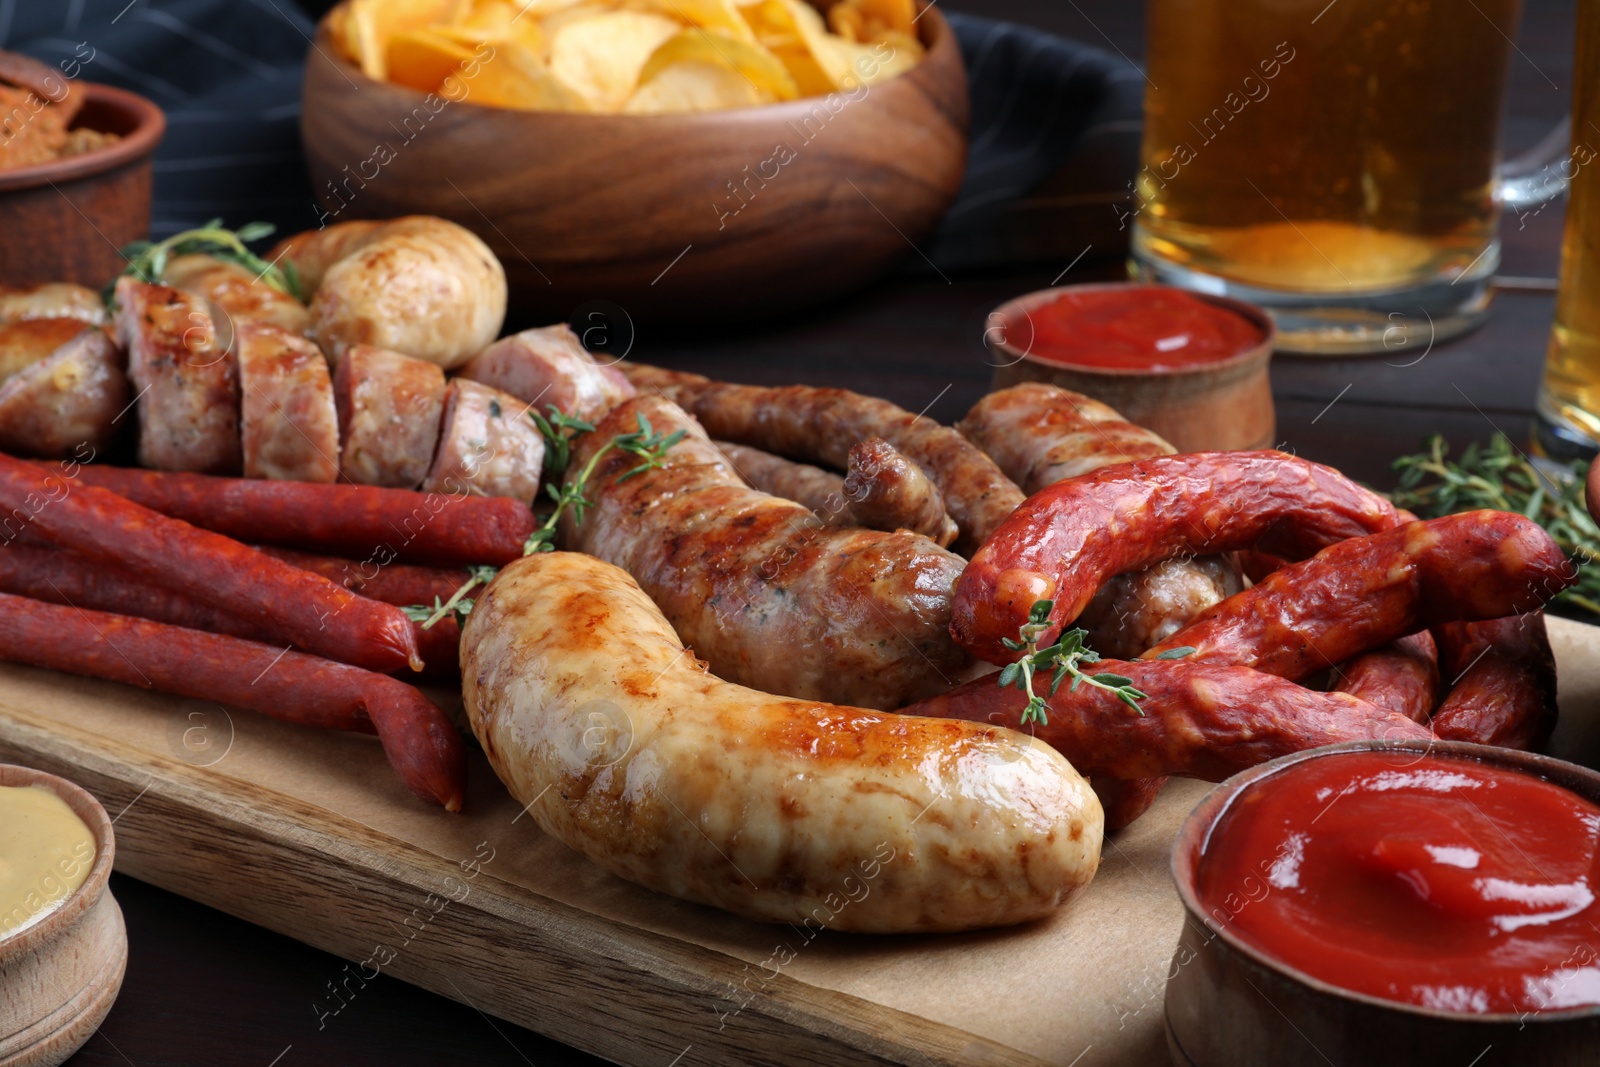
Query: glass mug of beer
{"x": 1568, "y": 424}
{"x": 1334, "y": 161}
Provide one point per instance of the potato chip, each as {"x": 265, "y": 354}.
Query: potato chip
{"x": 882, "y": 16}
{"x": 694, "y": 86}
{"x": 498, "y": 20}
{"x": 513, "y": 77}
{"x": 374, "y": 23}
{"x": 601, "y": 56}
{"x": 721, "y": 15}
{"x": 776, "y": 30}
{"x": 423, "y": 59}
{"x": 761, "y": 68}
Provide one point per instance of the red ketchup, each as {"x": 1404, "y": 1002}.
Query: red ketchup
{"x": 1132, "y": 329}
{"x": 1435, "y": 881}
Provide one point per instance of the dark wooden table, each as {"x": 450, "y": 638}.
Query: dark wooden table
{"x": 206, "y": 989}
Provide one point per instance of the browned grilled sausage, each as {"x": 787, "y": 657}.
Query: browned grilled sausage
{"x": 1367, "y": 591}
{"x": 289, "y": 427}
{"x": 488, "y": 446}
{"x": 1502, "y": 679}
{"x": 389, "y": 408}
{"x": 22, "y": 344}
{"x": 1199, "y": 720}
{"x": 822, "y": 425}
{"x": 186, "y": 381}
{"x": 53, "y": 300}
{"x": 1402, "y": 676}
{"x": 68, "y": 404}
{"x": 820, "y": 490}
{"x": 550, "y": 367}
{"x": 760, "y": 587}
{"x": 892, "y": 493}
{"x": 1073, "y": 536}
{"x": 1040, "y": 434}
{"x": 242, "y": 297}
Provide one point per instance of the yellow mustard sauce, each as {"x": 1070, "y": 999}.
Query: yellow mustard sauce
{"x": 46, "y": 852}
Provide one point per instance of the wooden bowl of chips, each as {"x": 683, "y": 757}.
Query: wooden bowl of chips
{"x": 730, "y": 213}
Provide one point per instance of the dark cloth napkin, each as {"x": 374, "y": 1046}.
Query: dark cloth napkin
{"x": 1055, "y": 124}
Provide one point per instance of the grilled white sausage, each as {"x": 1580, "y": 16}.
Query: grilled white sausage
{"x": 418, "y": 285}
{"x": 53, "y": 300}
{"x": 237, "y": 291}
{"x": 623, "y": 747}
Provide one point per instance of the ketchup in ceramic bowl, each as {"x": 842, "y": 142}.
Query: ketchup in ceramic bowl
{"x": 1142, "y": 328}
{"x": 1447, "y": 883}
{"x": 1190, "y": 367}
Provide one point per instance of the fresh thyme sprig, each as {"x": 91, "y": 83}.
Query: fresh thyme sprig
{"x": 1501, "y": 477}
{"x": 457, "y": 604}
{"x": 1064, "y": 656}
{"x": 560, "y": 431}
{"x": 147, "y": 260}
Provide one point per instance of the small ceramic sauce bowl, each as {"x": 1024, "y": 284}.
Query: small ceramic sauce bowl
{"x": 1230, "y": 1003}
{"x": 66, "y": 220}
{"x": 59, "y": 975}
{"x": 1218, "y": 405}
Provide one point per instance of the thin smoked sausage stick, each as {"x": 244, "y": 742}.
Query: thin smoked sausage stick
{"x": 359, "y": 522}
{"x": 296, "y": 606}
{"x": 1402, "y": 676}
{"x": 419, "y": 740}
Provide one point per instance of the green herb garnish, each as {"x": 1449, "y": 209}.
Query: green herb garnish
{"x": 1503, "y": 478}
{"x": 1064, "y": 656}
{"x": 148, "y": 260}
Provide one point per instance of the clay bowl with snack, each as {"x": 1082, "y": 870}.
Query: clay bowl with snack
{"x": 63, "y": 945}
{"x": 74, "y": 174}
{"x": 726, "y": 213}
{"x": 1396, "y": 902}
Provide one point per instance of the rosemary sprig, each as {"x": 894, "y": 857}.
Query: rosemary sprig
{"x": 1501, "y": 477}
{"x": 147, "y": 260}
{"x": 1064, "y": 656}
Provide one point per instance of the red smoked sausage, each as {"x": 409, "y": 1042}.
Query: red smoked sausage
{"x": 1402, "y": 676}
{"x": 1367, "y": 591}
{"x": 1502, "y": 678}
{"x": 375, "y": 526}
{"x": 1199, "y": 720}
{"x": 298, "y": 607}
{"x": 422, "y": 745}
{"x": 1067, "y": 539}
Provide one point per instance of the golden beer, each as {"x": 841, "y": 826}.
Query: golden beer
{"x": 1323, "y": 150}
{"x": 1569, "y": 400}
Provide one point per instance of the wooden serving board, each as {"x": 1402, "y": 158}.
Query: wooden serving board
{"x": 310, "y": 834}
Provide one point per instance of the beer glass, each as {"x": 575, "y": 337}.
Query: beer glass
{"x": 1334, "y": 162}
{"x": 1568, "y": 424}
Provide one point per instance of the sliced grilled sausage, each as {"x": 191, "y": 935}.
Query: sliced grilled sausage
{"x": 186, "y": 381}
{"x": 550, "y": 367}
{"x": 488, "y": 446}
{"x": 290, "y": 429}
{"x": 67, "y": 404}
{"x": 389, "y": 407}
